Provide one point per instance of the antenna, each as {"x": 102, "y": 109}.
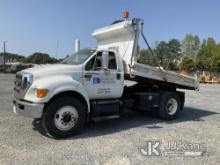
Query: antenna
{"x": 4, "y": 57}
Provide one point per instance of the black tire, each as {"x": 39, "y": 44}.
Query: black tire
{"x": 48, "y": 122}
{"x": 163, "y": 111}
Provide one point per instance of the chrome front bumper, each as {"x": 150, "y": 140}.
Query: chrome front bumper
{"x": 27, "y": 109}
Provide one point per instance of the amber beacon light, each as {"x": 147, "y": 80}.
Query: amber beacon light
{"x": 126, "y": 14}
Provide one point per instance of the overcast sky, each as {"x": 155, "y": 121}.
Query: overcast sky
{"x": 37, "y": 25}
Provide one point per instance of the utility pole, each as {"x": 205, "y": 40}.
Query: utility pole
{"x": 57, "y": 49}
{"x": 4, "y": 57}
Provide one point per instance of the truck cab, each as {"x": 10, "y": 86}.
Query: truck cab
{"x": 87, "y": 75}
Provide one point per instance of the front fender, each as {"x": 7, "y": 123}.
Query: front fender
{"x": 56, "y": 85}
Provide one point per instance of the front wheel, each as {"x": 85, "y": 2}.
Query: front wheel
{"x": 169, "y": 106}
{"x": 64, "y": 117}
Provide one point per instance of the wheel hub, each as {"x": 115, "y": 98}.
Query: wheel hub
{"x": 172, "y": 106}
{"x": 66, "y": 118}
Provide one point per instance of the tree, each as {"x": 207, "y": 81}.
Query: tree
{"x": 187, "y": 63}
{"x": 200, "y": 60}
{"x": 40, "y": 58}
{"x": 168, "y": 53}
{"x": 190, "y": 45}
{"x": 174, "y": 54}
{"x": 208, "y": 55}
{"x": 216, "y": 59}
{"x": 10, "y": 57}
{"x": 192, "y": 54}
{"x": 174, "y": 47}
{"x": 162, "y": 53}
{"x": 146, "y": 58}
{"x": 196, "y": 45}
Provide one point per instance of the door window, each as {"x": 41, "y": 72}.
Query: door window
{"x": 95, "y": 62}
{"x": 112, "y": 64}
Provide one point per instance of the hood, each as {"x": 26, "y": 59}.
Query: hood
{"x": 52, "y": 69}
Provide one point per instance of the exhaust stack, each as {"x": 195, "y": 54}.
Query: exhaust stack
{"x": 77, "y": 45}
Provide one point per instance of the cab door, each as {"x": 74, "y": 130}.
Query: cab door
{"x": 101, "y": 76}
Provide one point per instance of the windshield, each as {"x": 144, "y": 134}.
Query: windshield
{"x": 79, "y": 57}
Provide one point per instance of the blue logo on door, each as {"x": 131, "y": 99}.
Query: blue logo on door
{"x": 96, "y": 80}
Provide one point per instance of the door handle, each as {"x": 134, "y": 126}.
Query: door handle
{"x": 87, "y": 75}
{"x": 118, "y": 76}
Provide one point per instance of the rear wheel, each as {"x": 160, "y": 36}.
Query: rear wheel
{"x": 64, "y": 117}
{"x": 169, "y": 106}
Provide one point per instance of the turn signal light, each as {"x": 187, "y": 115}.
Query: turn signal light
{"x": 41, "y": 92}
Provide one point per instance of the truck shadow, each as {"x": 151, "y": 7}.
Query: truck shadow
{"x": 132, "y": 119}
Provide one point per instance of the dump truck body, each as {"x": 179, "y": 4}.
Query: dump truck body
{"x": 91, "y": 83}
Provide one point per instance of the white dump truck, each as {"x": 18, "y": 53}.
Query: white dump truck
{"x": 105, "y": 80}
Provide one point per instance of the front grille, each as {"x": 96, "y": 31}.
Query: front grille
{"x": 21, "y": 86}
{"x": 18, "y": 80}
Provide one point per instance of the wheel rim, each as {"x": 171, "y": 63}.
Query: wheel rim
{"x": 66, "y": 118}
{"x": 172, "y": 106}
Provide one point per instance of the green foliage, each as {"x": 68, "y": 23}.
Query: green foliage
{"x": 189, "y": 55}
{"x": 190, "y": 45}
{"x": 208, "y": 57}
{"x": 166, "y": 55}
{"x": 162, "y": 53}
{"x": 36, "y": 58}
{"x": 174, "y": 51}
{"x": 187, "y": 63}
{"x": 216, "y": 59}
{"x": 40, "y": 58}
{"x": 146, "y": 58}
{"x": 174, "y": 48}
{"x": 13, "y": 57}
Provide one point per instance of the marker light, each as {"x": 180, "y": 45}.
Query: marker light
{"x": 41, "y": 92}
